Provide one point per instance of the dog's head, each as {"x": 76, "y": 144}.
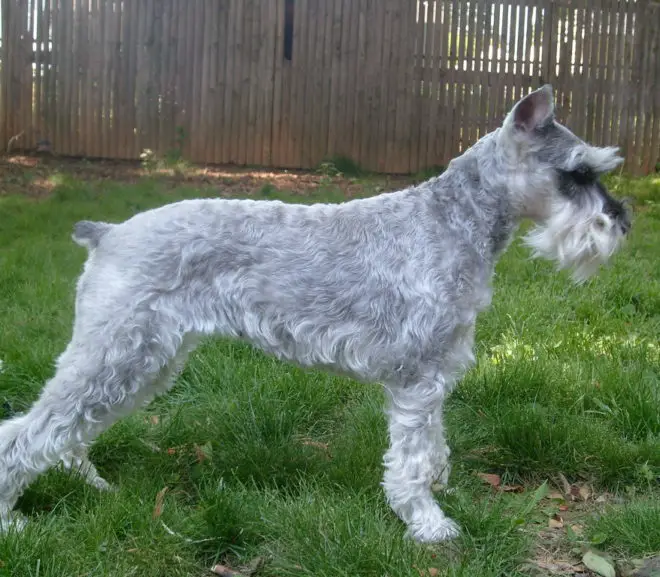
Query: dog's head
{"x": 553, "y": 177}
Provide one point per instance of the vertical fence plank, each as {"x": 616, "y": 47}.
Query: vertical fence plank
{"x": 578, "y": 104}
{"x": 654, "y": 144}
{"x": 497, "y": 64}
{"x": 251, "y": 65}
{"x": 221, "y": 59}
{"x": 433, "y": 151}
{"x": 327, "y": 116}
{"x": 239, "y": 98}
{"x": 411, "y": 126}
{"x": 642, "y": 94}
{"x": 633, "y": 86}
{"x": 335, "y": 77}
{"x": 197, "y": 54}
{"x": 5, "y": 14}
{"x": 392, "y": 81}
{"x": 278, "y": 57}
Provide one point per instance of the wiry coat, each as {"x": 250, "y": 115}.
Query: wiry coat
{"x": 385, "y": 289}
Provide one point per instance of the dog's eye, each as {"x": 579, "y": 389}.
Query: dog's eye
{"x": 583, "y": 175}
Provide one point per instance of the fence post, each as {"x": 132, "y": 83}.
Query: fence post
{"x": 634, "y": 112}
{"x": 4, "y": 50}
{"x": 548, "y": 42}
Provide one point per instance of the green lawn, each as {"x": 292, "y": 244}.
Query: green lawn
{"x": 260, "y": 459}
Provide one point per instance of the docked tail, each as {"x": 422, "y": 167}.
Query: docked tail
{"x": 88, "y": 233}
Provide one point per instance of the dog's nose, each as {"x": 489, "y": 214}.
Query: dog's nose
{"x": 625, "y": 224}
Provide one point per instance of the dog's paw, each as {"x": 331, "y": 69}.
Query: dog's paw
{"x": 434, "y": 529}
{"x": 12, "y": 522}
{"x": 102, "y": 485}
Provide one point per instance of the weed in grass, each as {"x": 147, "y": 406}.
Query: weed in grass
{"x": 268, "y": 190}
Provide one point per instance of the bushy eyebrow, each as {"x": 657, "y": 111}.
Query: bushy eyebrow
{"x": 582, "y": 174}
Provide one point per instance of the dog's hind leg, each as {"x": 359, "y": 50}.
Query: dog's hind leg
{"x": 97, "y": 382}
{"x": 416, "y": 457}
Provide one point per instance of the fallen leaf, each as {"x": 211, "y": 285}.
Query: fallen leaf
{"x": 577, "y": 529}
{"x": 647, "y": 568}
{"x": 171, "y": 451}
{"x": 555, "y": 522}
{"x": 155, "y": 419}
{"x": 155, "y": 448}
{"x": 204, "y": 452}
{"x": 565, "y": 484}
{"x": 224, "y": 571}
{"x": 491, "y": 479}
{"x": 598, "y": 564}
{"x": 556, "y": 496}
{"x": 433, "y": 572}
{"x": 254, "y": 566}
{"x": 563, "y": 507}
{"x": 584, "y": 492}
{"x": 158, "y": 507}
{"x": 575, "y": 493}
{"x": 512, "y": 488}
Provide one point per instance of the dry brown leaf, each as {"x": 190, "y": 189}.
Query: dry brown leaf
{"x": 555, "y": 522}
{"x": 577, "y": 529}
{"x": 563, "y": 507}
{"x": 512, "y": 488}
{"x": 158, "y": 507}
{"x": 200, "y": 454}
{"x": 585, "y": 492}
{"x": 565, "y": 484}
{"x": 224, "y": 571}
{"x": 491, "y": 479}
{"x": 433, "y": 572}
{"x": 155, "y": 419}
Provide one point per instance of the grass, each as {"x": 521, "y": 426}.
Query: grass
{"x": 261, "y": 459}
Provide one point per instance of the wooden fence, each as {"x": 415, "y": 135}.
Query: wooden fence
{"x": 397, "y": 85}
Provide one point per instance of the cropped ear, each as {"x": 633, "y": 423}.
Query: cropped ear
{"x": 535, "y": 110}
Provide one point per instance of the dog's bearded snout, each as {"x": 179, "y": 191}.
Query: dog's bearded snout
{"x": 578, "y": 224}
{"x": 585, "y": 227}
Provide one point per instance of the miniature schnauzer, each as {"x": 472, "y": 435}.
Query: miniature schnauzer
{"x": 385, "y": 290}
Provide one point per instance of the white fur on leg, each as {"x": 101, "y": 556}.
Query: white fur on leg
{"x": 417, "y": 454}
{"x": 77, "y": 461}
{"x": 443, "y": 465}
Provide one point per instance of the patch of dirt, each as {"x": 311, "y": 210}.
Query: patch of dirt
{"x": 33, "y": 176}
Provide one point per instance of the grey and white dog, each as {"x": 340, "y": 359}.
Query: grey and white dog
{"x": 384, "y": 290}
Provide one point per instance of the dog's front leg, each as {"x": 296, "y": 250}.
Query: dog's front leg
{"x": 417, "y": 456}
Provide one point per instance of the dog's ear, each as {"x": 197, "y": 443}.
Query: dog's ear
{"x": 535, "y": 110}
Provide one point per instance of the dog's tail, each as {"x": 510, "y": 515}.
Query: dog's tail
{"x": 88, "y": 233}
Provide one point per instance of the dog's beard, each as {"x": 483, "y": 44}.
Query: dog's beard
{"x": 581, "y": 239}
